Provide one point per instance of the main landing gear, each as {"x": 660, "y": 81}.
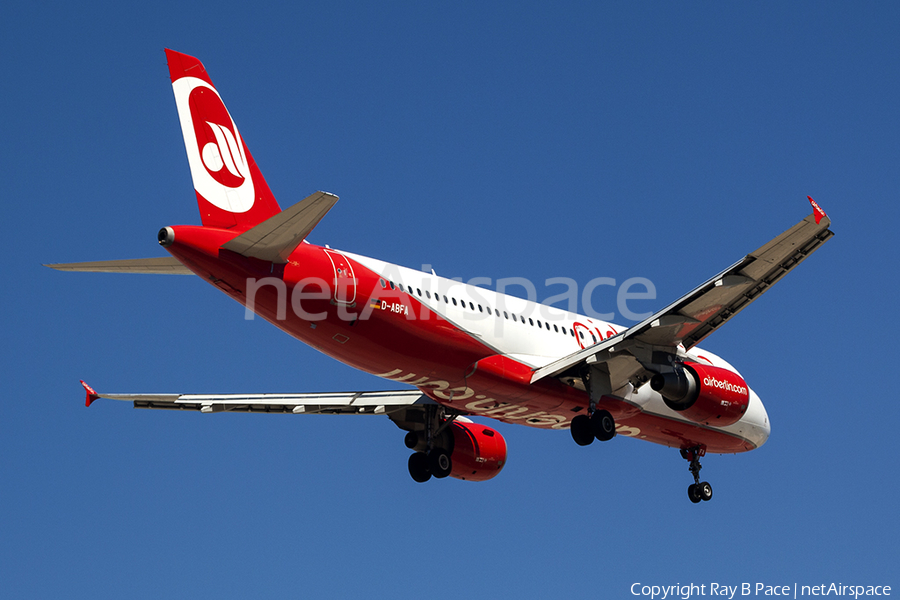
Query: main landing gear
{"x": 599, "y": 424}
{"x": 697, "y": 491}
{"x": 433, "y": 446}
{"x": 427, "y": 463}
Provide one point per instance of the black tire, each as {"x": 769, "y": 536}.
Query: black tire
{"x": 418, "y": 467}
{"x": 439, "y": 463}
{"x": 694, "y": 493}
{"x": 603, "y": 425}
{"x": 704, "y": 490}
{"x": 581, "y": 430}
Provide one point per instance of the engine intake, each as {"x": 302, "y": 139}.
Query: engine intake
{"x": 703, "y": 393}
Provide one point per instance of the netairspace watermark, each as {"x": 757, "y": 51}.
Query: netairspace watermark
{"x": 794, "y": 590}
{"x": 456, "y": 293}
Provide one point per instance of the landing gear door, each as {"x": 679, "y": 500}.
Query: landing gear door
{"x": 344, "y": 285}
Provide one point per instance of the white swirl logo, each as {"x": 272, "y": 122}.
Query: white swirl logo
{"x": 224, "y": 152}
{"x": 219, "y": 166}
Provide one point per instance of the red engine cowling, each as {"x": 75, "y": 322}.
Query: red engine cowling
{"x": 704, "y": 394}
{"x": 479, "y": 452}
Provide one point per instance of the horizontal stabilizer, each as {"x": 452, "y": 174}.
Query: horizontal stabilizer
{"x": 274, "y": 239}
{"x": 166, "y": 265}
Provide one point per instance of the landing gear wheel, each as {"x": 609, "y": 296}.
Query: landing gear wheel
{"x": 581, "y": 430}
{"x": 418, "y": 467}
{"x": 694, "y": 493}
{"x": 439, "y": 463}
{"x": 697, "y": 491}
{"x": 603, "y": 425}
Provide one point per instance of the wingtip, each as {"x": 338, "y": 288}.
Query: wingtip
{"x": 91, "y": 394}
{"x": 817, "y": 210}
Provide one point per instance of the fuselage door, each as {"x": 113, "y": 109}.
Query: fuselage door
{"x": 344, "y": 285}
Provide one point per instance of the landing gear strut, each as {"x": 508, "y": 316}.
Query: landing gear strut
{"x": 697, "y": 491}
{"x": 433, "y": 447}
{"x": 598, "y": 424}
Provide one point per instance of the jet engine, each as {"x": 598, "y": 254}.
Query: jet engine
{"x": 464, "y": 450}
{"x": 703, "y": 393}
{"x": 479, "y": 452}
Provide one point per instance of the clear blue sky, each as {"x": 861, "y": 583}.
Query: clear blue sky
{"x": 642, "y": 139}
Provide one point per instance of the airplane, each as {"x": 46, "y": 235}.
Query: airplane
{"x": 461, "y": 350}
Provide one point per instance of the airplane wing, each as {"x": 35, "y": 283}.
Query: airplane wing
{"x": 165, "y": 265}
{"x": 408, "y": 409}
{"x": 357, "y": 403}
{"x": 680, "y": 326}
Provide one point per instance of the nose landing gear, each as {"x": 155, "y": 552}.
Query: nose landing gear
{"x": 698, "y": 490}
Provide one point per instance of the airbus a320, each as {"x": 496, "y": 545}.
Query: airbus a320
{"x": 460, "y": 350}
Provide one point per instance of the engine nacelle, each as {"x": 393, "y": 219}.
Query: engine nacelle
{"x": 704, "y": 394}
{"x": 479, "y": 452}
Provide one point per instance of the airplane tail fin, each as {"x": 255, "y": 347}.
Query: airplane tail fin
{"x": 231, "y": 191}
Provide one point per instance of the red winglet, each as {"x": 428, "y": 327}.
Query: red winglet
{"x": 817, "y": 210}
{"x": 91, "y": 394}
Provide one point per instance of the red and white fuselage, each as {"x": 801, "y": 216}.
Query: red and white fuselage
{"x": 463, "y": 349}
{"x": 466, "y": 347}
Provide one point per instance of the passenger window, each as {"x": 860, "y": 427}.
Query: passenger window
{"x": 445, "y": 299}
{"x": 556, "y": 329}
{"x": 418, "y": 291}
{"x": 480, "y": 309}
{"x": 530, "y": 322}
{"x": 383, "y": 284}
{"x": 400, "y": 285}
{"x": 505, "y": 316}
{"x": 539, "y": 324}
{"x": 454, "y": 301}
{"x": 472, "y": 306}
{"x": 428, "y": 294}
{"x": 392, "y": 285}
{"x": 497, "y": 311}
